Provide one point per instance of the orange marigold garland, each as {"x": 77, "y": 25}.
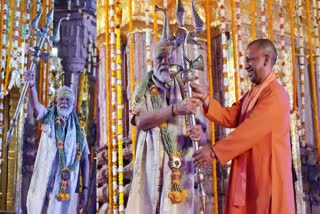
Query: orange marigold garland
{"x": 177, "y": 194}
{"x": 63, "y": 194}
{"x": 283, "y": 70}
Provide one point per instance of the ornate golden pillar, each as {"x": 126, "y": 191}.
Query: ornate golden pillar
{"x": 12, "y": 158}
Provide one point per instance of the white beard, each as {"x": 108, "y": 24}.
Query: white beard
{"x": 64, "y": 112}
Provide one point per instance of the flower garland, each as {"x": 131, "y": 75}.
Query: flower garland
{"x": 52, "y": 114}
{"x": 132, "y": 77}
{"x": 269, "y": 2}
{"x": 108, "y": 100}
{"x": 115, "y": 187}
{"x": 300, "y": 205}
{"x": 16, "y": 44}
{"x": 155, "y": 25}
{"x": 263, "y": 26}
{"x": 9, "y": 51}
{"x": 263, "y": 20}
{"x": 45, "y": 65}
{"x": 240, "y": 48}
{"x": 211, "y": 90}
{"x": 3, "y": 36}
{"x": 24, "y": 64}
{"x": 41, "y": 64}
{"x": 3, "y": 42}
{"x": 148, "y": 36}
{"x": 63, "y": 194}
{"x": 282, "y": 75}
{"x": 21, "y": 41}
{"x": 302, "y": 71}
{"x": 253, "y": 20}
{"x": 235, "y": 50}
{"x": 316, "y": 20}
{"x": 293, "y": 58}
{"x": 313, "y": 82}
{"x": 224, "y": 56}
{"x": 177, "y": 194}
{"x": 224, "y": 52}
{"x": 118, "y": 13}
{"x": 294, "y": 118}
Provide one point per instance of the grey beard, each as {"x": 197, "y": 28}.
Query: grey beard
{"x": 164, "y": 84}
{"x": 64, "y": 112}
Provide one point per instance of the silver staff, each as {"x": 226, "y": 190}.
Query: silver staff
{"x": 43, "y": 36}
{"x": 187, "y": 76}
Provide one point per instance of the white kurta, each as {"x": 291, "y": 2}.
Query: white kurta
{"x": 43, "y": 167}
{"x": 151, "y": 166}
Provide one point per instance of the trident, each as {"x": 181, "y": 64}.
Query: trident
{"x": 42, "y": 35}
{"x": 187, "y": 76}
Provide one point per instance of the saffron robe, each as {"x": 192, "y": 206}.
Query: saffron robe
{"x": 263, "y": 184}
{"x": 151, "y": 170}
{"x": 45, "y": 162}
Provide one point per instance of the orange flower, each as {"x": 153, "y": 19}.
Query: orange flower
{"x": 178, "y": 196}
{"x": 59, "y": 144}
{"x": 63, "y": 196}
{"x": 58, "y": 120}
{"x": 163, "y": 124}
{"x": 154, "y": 90}
{"x": 82, "y": 124}
{"x": 175, "y": 181}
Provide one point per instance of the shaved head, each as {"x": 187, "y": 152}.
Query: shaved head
{"x": 268, "y": 48}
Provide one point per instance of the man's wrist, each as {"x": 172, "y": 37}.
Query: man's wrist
{"x": 174, "y": 110}
{"x": 203, "y": 100}
{"x": 31, "y": 86}
{"x": 213, "y": 154}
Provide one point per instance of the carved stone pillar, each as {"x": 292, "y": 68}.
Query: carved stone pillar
{"x": 72, "y": 48}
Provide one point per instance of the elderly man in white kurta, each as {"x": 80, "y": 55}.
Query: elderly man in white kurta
{"x": 62, "y": 151}
{"x": 163, "y": 173}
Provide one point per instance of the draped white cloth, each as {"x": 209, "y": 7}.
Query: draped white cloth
{"x": 151, "y": 170}
{"x": 45, "y": 162}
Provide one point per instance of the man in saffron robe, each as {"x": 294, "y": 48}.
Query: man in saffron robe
{"x": 63, "y": 149}
{"x": 261, "y": 176}
{"x": 163, "y": 172}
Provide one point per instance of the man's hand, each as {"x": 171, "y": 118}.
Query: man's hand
{"x": 204, "y": 156}
{"x": 187, "y": 106}
{"x": 198, "y": 92}
{"x": 196, "y": 133}
{"x": 83, "y": 198}
{"x": 28, "y": 76}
